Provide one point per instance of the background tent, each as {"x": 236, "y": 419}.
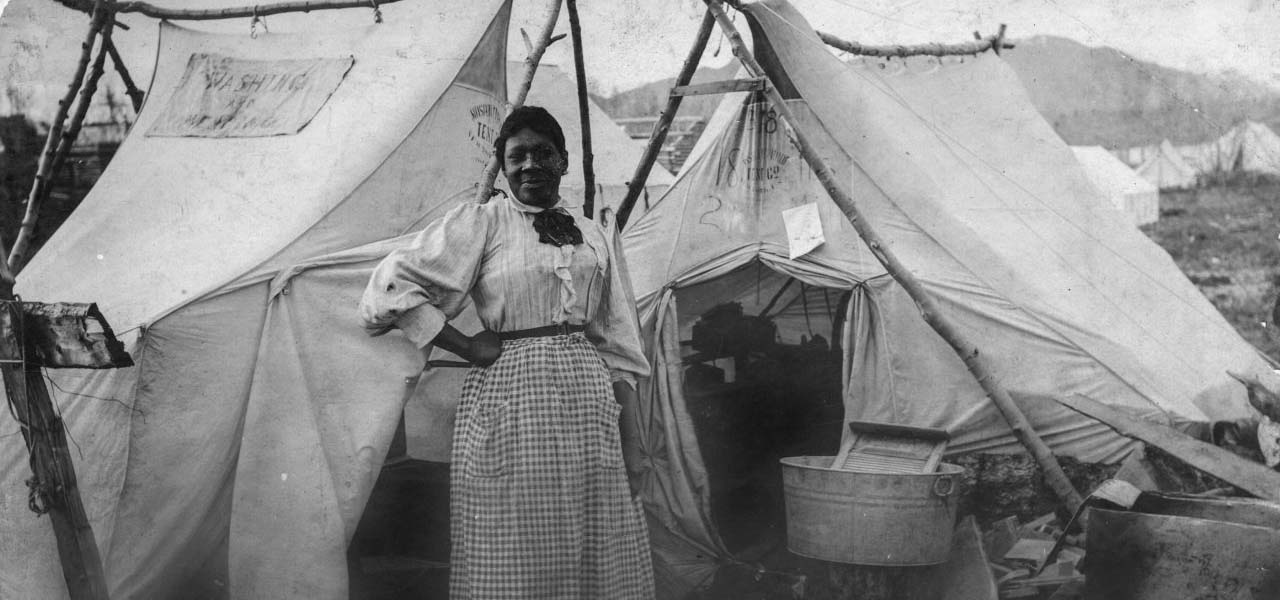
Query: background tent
{"x": 1127, "y": 191}
{"x": 1166, "y": 168}
{"x": 990, "y": 210}
{"x": 1248, "y": 147}
{"x": 214, "y": 441}
{"x": 615, "y": 155}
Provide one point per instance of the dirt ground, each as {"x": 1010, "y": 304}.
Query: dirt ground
{"x": 1224, "y": 237}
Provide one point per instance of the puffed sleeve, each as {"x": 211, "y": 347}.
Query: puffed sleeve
{"x": 418, "y": 288}
{"x": 615, "y": 329}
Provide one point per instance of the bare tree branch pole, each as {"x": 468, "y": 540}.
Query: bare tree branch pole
{"x": 929, "y": 309}
{"x": 659, "y": 134}
{"x": 584, "y": 112}
{"x": 82, "y": 106}
{"x": 44, "y": 170}
{"x": 135, "y": 95}
{"x": 484, "y": 188}
{"x": 211, "y": 14}
{"x": 994, "y": 43}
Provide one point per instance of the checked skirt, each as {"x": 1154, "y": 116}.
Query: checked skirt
{"x": 540, "y": 506}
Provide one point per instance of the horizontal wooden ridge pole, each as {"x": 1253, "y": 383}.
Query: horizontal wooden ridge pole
{"x": 929, "y": 309}
{"x": 754, "y": 84}
{"x": 995, "y": 43}
{"x": 236, "y": 12}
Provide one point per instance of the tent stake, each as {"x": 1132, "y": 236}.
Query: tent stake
{"x": 484, "y": 190}
{"x": 47, "y": 166}
{"x": 584, "y": 112}
{"x": 659, "y": 133}
{"x": 936, "y": 319}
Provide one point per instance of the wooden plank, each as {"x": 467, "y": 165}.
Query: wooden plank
{"x": 755, "y": 84}
{"x": 1249, "y": 476}
{"x": 1140, "y": 556}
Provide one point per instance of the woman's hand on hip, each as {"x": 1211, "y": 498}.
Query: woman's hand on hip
{"x": 484, "y": 348}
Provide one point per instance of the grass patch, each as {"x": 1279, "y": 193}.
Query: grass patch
{"x": 1224, "y": 237}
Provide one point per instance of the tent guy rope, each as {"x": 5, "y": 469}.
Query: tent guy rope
{"x": 929, "y": 310}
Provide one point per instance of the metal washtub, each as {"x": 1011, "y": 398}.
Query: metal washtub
{"x": 869, "y": 518}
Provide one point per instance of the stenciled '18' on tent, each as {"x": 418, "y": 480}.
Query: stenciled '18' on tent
{"x": 1127, "y": 191}
{"x": 985, "y": 205}
{"x": 228, "y": 463}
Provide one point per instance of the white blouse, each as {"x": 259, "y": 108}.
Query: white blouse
{"x": 492, "y": 252}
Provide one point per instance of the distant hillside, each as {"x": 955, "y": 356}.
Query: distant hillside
{"x": 1092, "y": 96}
{"x": 1100, "y": 96}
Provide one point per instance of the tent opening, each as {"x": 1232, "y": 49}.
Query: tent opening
{"x": 762, "y": 365}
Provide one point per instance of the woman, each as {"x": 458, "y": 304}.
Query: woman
{"x": 541, "y": 506}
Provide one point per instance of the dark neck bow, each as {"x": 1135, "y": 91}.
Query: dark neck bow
{"x": 555, "y": 226}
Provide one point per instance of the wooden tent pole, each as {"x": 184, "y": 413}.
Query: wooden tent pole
{"x": 929, "y": 309}
{"x": 85, "y": 101}
{"x": 237, "y": 12}
{"x": 135, "y": 95}
{"x": 45, "y": 169}
{"x": 584, "y": 112}
{"x": 659, "y": 133}
{"x": 994, "y": 43}
{"x": 484, "y": 190}
{"x": 53, "y": 486}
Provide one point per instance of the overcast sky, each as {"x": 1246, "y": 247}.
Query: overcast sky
{"x": 630, "y": 42}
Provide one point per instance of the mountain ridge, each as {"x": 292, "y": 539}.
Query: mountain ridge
{"x": 1135, "y": 102}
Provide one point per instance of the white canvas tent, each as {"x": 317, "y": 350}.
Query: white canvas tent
{"x": 1166, "y": 168}
{"x": 614, "y": 153}
{"x": 237, "y": 456}
{"x": 1248, "y": 147}
{"x": 992, "y": 213}
{"x": 1138, "y": 198}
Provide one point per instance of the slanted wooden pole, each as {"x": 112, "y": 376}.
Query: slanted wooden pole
{"x": 994, "y": 43}
{"x": 933, "y": 315}
{"x": 45, "y": 168}
{"x": 659, "y": 134}
{"x": 485, "y": 187}
{"x": 584, "y": 112}
{"x": 135, "y": 95}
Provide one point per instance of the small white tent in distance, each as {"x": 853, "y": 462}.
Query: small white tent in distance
{"x": 1167, "y": 169}
{"x": 1127, "y": 191}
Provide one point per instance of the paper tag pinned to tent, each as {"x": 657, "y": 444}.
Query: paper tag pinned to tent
{"x": 804, "y": 229}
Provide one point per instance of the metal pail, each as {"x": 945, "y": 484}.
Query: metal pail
{"x": 869, "y": 518}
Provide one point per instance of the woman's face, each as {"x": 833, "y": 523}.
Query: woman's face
{"x": 533, "y": 167}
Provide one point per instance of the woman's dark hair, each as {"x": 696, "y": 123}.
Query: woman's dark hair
{"x": 534, "y": 118}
